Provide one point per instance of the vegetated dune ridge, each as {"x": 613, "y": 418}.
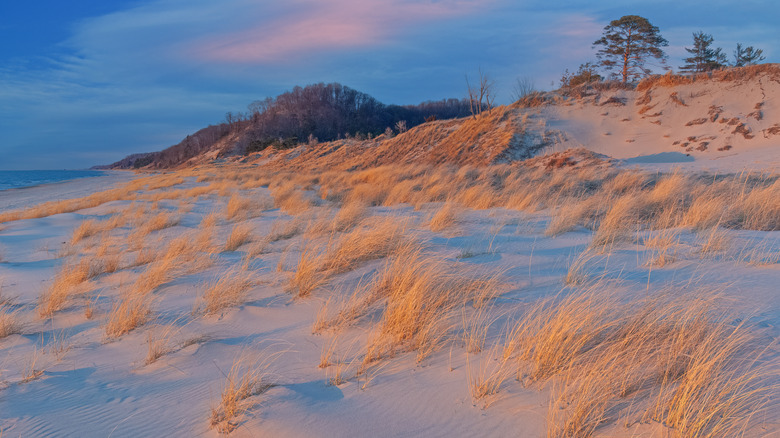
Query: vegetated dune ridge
{"x": 730, "y": 115}
{"x": 296, "y": 294}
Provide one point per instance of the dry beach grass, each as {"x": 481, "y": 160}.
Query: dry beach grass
{"x": 376, "y": 248}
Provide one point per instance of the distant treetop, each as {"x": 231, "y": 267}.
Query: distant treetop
{"x": 703, "y": 57}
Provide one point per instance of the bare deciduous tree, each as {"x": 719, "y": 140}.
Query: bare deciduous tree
{"x": 481, "y": 96}
{"x": 523, "y": 87}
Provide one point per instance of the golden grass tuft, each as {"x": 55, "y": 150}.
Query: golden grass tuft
{"x": 239, "y": 235}
{"x": 145, "y": 256}
{"x": 32, "y": 369}
{"x": 664, "y": 246}
{"x": 130, "y": 311}
{"x": 419, "y": 294}
{"x": 155, "y": 275}
{"x": 367, "y": 193}
{"x": 308, "y": 274}
{"x": 86, "y": 229}
{"x": 374, "y": 239}
{"x": 349, "y": 215}
{"x": 210, "y": 220}
{"x": 9, "y": 321}
{"x": 159, "y": 221}
{"x": 159, "y": 341}
{"x": 618, "y": 221}
{"x": 677, "y": 358}
{"x": 248, "y": 377}
{"x": 422, "y": 295}
{"x": 183, "y": 254}
{"x": 228, "y": 290}
{"x": 240, "y": 207}
{"x": 445, "y": 217}
{"x": 291, "y": 199}
{"x": 71, "y": 280}
{"x": 282, "y": 230}
{"x": 487, "y": 379}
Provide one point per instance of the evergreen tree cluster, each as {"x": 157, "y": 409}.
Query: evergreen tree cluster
{"x": 631, "y": 43}
{"x": 705, "y": 58}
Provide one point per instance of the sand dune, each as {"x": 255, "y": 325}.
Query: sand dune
{"x": 397, "y": 301}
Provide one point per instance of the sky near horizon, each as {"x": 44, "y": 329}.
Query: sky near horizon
{"x": 86, "y": 82}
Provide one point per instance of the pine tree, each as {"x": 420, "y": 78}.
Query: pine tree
{"x": 704, "y": 58}
{"x": 747, "y": 56}
{"x": 627, "y": 44}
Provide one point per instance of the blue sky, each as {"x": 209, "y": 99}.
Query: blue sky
{"x": 85, "y": 82}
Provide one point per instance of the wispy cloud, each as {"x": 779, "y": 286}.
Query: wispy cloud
{"x": 308, "y": 26}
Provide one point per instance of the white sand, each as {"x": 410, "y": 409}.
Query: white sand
{"x": 101, "y": 388}
{"x": 659, "y": 134}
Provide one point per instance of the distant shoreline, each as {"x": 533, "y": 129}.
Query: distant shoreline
{"x": 76, "y": 174}
{"x": 22, "y": 197}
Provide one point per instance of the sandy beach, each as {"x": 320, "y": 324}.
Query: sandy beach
{"x": 16, "y": 199}
{"x": 191, "y": 281}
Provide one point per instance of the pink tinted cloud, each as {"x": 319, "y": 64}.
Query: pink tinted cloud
{"x": 314, "y": 25}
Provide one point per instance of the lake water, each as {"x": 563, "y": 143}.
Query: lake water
{"x": 13, "y": 179}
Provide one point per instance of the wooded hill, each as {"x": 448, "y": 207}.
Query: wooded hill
{"x": 315, "y": 113}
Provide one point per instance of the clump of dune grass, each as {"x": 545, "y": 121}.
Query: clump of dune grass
{"x": 291, "y": 199}
{"x": 155, "y": 275}
{"x": 240, "y": 207}
{"x": 145, "y": 256}
{"x": 444, "y": 218}
{"x": 719, "y": 384}
{"x": 9, "y": 321}
{"x": 349, "y": 215}
{"x": 418, "y": 296}
{"x": 158, "y": 341}
{"x": 375, "y": 239}
{"x": 248, "y": 377}
{"x": 677, "y": 358}
{"x": 130, "y": 311}
{"x": 618, "y": 222}
{"x": 283, "y": 230}
{"x": 239, "y": 235}
{"x": 716, "y": 241}
{"x": 71, "y": 280}
{"x": 308, "y": 274}
{"x": 181, "y": 255}
{"x": 567, "y": 215}
{"x": 33, "y": 368}
{"x": 578, "y": 272}
{"x": 210, "y": 220}
{"x": 664, "y": 247}
{"x": 226, "y": 291}
{"x": 489, "y": 376}
{"x": 86, "y": 229}
{"x": 367, "y": 193}
{"x": 159, "y": 221}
